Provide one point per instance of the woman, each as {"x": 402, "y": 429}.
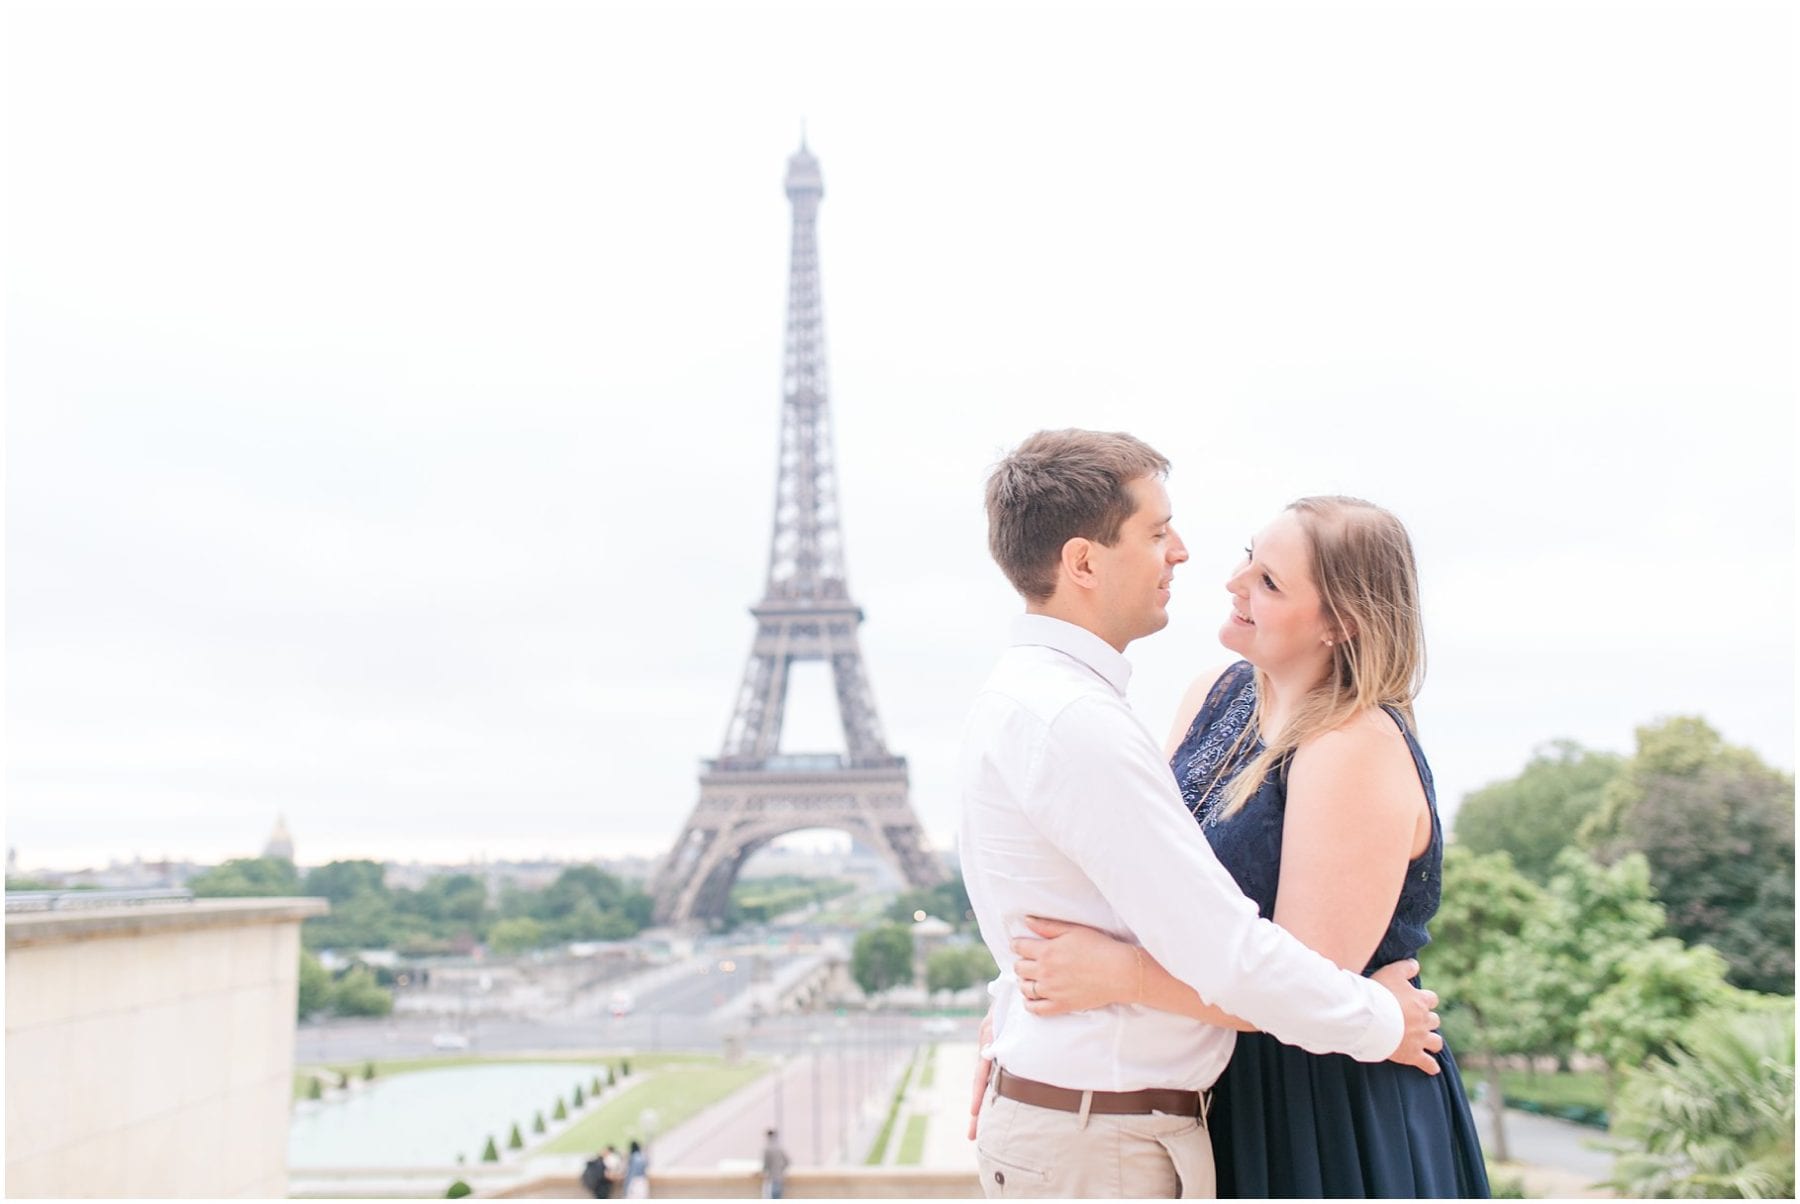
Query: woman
{"x": 1301, "y": 765}
{"x": 637, "y": 1173}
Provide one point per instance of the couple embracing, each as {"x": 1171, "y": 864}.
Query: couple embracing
{"x": 1207, "y": 984}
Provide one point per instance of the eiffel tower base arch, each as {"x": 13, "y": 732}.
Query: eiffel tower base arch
{"x": 742, "y": 810}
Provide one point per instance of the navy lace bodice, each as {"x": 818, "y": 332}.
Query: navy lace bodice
{"x": 1248, "y": 842}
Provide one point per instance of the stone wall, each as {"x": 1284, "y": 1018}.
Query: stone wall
{"x": 150, "y": 1049}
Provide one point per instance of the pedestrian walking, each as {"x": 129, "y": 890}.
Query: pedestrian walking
{"x": 774, "y": 1169}
{"x": 637, "y": 1173}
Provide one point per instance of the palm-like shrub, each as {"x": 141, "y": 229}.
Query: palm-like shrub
{"x": 1715, "y": 1116}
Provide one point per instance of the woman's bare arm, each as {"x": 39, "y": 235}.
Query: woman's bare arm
{"x": 1356, "y": 815}
{"x": 1071, "y": 968}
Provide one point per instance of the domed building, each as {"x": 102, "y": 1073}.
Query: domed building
{"x": 281, "y": 844}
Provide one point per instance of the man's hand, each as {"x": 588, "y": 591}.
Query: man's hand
{"x": 1417, "y": 1006}
{"x": 984, "y": 1067}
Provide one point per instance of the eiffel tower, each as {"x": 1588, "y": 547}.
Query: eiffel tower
{"x": 752, "y": 792}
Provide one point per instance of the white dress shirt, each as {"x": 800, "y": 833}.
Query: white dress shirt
{"x": 1070, "y": 812}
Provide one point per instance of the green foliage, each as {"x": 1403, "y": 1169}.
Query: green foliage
{"x": 882, "y": 957}
{"x": 912, "y": 1141}
{"x": 515, "y": 936}
{"x": 1717, "y": 827}
{"x": 580, "y": 1099}
{"x": 1490, "y": 979}
{"x": 610, "y": 1080}
{"x": 947, "y": 901}
{"x": 958, "y": 967}
{"x": 490, "y": 1152}
{"x": 1716, "y": 1117}
{"x": 1534, "y": 816}
{"x": 1595, "y": 917}
{"x": 341, "y": 881}
{"x": 1655, "y": 993}
{"x": 594, "y": 1086}
{"x": 517, "y": 1140}
{"x": 762, "y": 899}
{"x": 537, "y": 1123}
{"x": 878, "y": 1151}
{"x": 358, "y": 994}
{"x": 368, "y": 1072}
{"x": 314, "y": 994}
{"x": 247, "y": 877}
{"x": 458, "y": 1190}
{"x": 315, "y": 1089}
{"x": 453, "y": 911}
{"x": 561, "y": 1113}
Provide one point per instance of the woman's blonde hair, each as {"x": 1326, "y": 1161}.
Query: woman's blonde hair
{"x": 1362, "y": 565}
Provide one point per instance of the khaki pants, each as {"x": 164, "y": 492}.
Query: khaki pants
{"x": 1026, "y": 1151}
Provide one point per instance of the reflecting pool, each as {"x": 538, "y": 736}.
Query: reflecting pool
{"x": 428, "y": 1117}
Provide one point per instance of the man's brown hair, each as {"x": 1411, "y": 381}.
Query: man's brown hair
{"x": 1057, "y": 486}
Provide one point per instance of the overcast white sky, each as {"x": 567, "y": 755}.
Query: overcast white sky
{"x": 393, "y": 389}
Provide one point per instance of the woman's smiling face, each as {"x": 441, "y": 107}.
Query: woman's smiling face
{"x": 1276, "y": 620}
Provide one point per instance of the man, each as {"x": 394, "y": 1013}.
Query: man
{"x": 1069, "y": 812}
{"x": 774, "y": 1168}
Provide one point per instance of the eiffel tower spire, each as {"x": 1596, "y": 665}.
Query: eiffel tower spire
{"x": 753, "y": 793}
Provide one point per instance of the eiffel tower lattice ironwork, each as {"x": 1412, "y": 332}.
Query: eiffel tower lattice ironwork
{"x": 753, "y": 792}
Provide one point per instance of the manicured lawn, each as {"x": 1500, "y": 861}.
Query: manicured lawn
{"x": 675, "y": 1092}
{"x": 930, "y": 1071}
{"x": 1586, "y": 1088}
{"x": 912, "y": 1142}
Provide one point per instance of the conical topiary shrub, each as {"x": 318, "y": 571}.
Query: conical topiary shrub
{"x": 580, "y": 1099}
{"x": 594, "y": 1087}
{"x": 624, "y": 1068}
{"x": 489, "y": 1153}
{"x": 458, "y": 1190}
{"x": 537, "y": 1124}
{"x": 561, "y": 1112}
{"x": 316, "y": 1090}
{"x": 368, "y": 1071}
{"x": 609, "y": 1077}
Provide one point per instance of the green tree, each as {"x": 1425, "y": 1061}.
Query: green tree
{"x": 1655, "y": 993}
{"x": 882, "y": 957}
{"x": 490, "y": 1152}
{"x": 1716, "y": 1116}
{"x": 368, "y": 1072}
{"x": 341, "y": 881}
{"x": 458, "y": 1190}
{"x": 580, "y": 1098}
{"x": 315, "y": 986}
{"x": 561, "y": 1113}
{"x": 947, "y": 901}
{"x": 516, "y": 936}
{"x": 1594, "y": 918}
{"x": 247, "y": 877}
{"x": 517, "y": 1140}
{"x": 1716, "y": 825}
{"x": 358, "y": 994}
{"x": 958, "y": 967}
{"x": 537, "y": 1123}
{"x": 1534, "y": 816}
{"x": 1479, "y": 962}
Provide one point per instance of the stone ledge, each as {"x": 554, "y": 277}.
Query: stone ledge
{"x": 822, "y": 1183}
{"x": 37, "y": 929}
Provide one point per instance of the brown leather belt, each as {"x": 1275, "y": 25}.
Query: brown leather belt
{"x": 1103, "y": 1103}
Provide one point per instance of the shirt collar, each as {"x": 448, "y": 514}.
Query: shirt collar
{"x": 1078, "y": 642}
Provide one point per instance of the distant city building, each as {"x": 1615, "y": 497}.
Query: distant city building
{"x": 281, "y": 844}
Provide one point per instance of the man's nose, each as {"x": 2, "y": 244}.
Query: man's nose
{"x": 1178, "y": 552}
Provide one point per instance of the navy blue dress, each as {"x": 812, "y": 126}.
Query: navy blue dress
{"x": 1287, "y": 1123}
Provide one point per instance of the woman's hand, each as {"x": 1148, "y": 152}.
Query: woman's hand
{"x": 1071, "y": 968}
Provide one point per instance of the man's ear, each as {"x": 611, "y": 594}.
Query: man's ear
{"x": 1077, "y": 562}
